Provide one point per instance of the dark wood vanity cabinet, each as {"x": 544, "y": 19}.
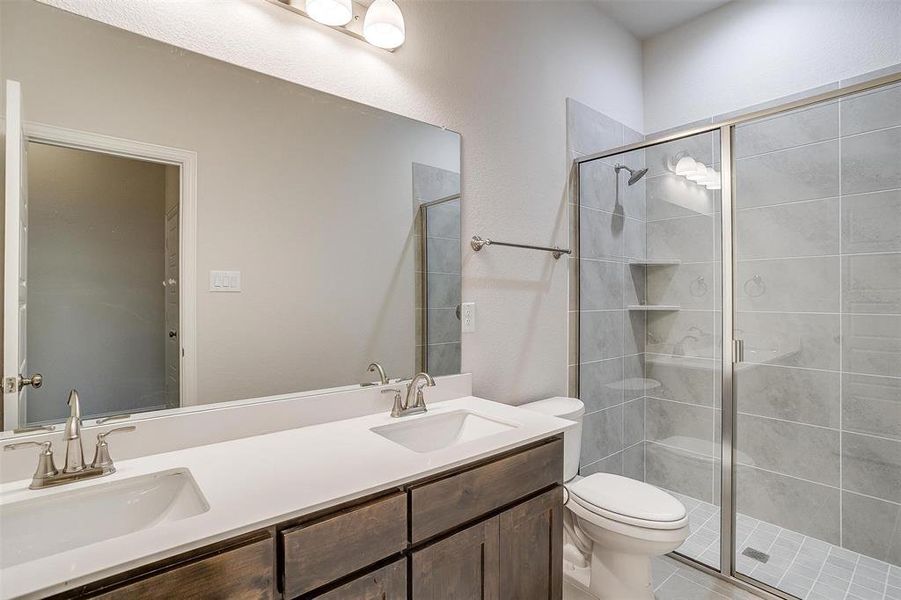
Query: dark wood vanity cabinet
{"x": 490, "y": 530}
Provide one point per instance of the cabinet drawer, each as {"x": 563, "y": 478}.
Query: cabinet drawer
{"x": 244, "y": 573}
{"x": 386, "y": 583}
{"x": 320, "y": 552}
{"x": 441, "y": 505}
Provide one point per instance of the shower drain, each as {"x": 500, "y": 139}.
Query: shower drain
{"x": 756, "y": 554}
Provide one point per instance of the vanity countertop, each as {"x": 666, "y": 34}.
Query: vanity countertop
{"x": 255, "y": 482}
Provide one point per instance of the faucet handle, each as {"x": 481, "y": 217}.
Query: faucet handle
{"x": 102, "y": 458}
{"x": 46, "y": 467}
{"x": 398, "y": 407}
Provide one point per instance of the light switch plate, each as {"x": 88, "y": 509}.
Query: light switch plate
{"x": 468, "y": 317}
{"x": 225, "y": 281}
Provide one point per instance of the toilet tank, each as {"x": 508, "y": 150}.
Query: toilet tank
{"x": 565, "y": 408}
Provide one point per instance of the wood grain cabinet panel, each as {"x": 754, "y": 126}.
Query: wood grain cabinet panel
{"x": 463, "y": 566}
{"x": 531, "y": 549}
{"x": 244, "y": 573}
{"x": 441, "y": 505}
{"x": 386, "y": 583}
{"x": 323, "y": 551}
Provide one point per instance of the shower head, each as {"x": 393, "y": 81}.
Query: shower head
{"x": 634, "y": 175}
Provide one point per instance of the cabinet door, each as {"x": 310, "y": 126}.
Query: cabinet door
{"x": 386, "y": 583}
{"x": 531, "y": 549}
{"x": 463, "y": 566}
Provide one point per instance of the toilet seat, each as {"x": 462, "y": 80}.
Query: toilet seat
{"x": 628, "y": 501}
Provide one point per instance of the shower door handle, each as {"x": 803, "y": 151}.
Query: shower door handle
{"x": 738, "y": 351}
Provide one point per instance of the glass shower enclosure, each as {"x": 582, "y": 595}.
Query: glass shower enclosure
{"x": 739, "y": 319}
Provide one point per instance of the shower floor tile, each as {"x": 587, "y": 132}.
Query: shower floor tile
{"x": 800, "y": 565}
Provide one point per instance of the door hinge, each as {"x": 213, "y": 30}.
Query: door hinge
{"x": 10, "y": 385}
{"x": 738, "y": 351}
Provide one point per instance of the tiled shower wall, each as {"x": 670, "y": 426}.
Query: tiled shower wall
{"x": 610, "y": 338}
{"x": 818, "y": 302}
{"x": 440, "y": 277}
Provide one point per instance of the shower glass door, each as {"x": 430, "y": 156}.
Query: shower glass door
{"x": 817, "y": 306}
{"x": 650, "y": 324}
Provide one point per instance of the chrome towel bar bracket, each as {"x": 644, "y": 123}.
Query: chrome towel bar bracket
{"x": 478, "y": 243}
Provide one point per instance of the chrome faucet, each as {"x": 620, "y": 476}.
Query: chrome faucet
{"x": 47, "y": 474}
{"x": 383, "y": 379}
{"x": 403, "y": 407}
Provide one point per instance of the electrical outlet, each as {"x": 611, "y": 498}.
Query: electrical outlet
{"x": 225, "y": 281}
{"x": 468, "y": 316}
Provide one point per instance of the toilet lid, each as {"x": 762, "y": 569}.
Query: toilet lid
{"x": 613, "y": 495}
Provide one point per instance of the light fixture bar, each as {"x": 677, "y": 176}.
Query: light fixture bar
{"x": 354, "y": 29}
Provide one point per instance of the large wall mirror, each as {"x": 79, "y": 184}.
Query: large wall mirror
{"x": 181, "y": 231}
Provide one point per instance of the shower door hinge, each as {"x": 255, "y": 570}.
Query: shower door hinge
{"x": 738, "y": 351}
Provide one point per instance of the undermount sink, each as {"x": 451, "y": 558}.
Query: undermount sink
{"x": 434, "y": 432}
{"x": 48, "y": 525}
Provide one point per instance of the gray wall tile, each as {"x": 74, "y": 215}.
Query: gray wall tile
{"x": 791, "y": 339}
{"x": 601, "y": 285}
{"x": 871, "y": 110}
{"x": 633, "y": 422}
{"x": 871, "y": 466}
{"x": 601, "y": 384}
{"x": 444, "y": 359}
{"x": 601, "y": 335}
{"x": 670, "y": 195}
{"x": 685, "y": 426}
{"x": 667, "y": 330}
{"x": 597, "y": 185}
{"x": 589, "y": 131}
{"x": 871, "y": 283}
{"x": 633, "y": 461}
{"x": 871, "y": 161}
{"x": 444, "y": 326}
{"x": 444, "y": 290}
{"x": 803, "y": 173}
{"x": 793, "y": 394}
{"x": 797, "y": 229}
{"x": 601, "y": 234}
{"x": 689, "y": 380}
{"x": 871, "y": 222}
{"x": 679, "y": 471}
{"x": 688, "y": 239}
{"x": 789, "y": 284}
{"x": 689, "y": 285}
{"x": 634, "y": 383}
{"x": 796, "y": 128}
{"x": 611, "y": 464}
{"x": 635, "y": 239}
{"x": 872, "y": 344}
{"x": 789, "y": 448}
{"x": 798, "y": 505}
{"x": 872, "y": 527}
{"x": 635, "y": 323}
{"x": 602, "y": 434}
{"x": 443, "y": 255}
{"x": 634, "y": 284}
{"x": 871, "y": 404}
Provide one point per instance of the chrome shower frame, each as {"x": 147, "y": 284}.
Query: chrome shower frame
{"x": 726, "y": 129}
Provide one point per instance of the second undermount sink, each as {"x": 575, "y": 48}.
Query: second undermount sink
{"x": 434, "y": 432}
{"x": 47, "y": 525}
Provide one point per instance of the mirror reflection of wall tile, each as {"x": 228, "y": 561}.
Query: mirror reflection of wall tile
{"x": 871, "y": 222}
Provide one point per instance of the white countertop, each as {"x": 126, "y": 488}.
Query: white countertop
{"x": 255, "y": 482}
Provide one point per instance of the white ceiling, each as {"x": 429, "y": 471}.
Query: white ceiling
{"x": 647, "y": 18}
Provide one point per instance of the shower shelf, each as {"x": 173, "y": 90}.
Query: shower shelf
{"x": 664, "y": 262}
{"x": 657, "y": 307}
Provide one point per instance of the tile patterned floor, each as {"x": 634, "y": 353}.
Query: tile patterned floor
{"x": 802, "y": 566}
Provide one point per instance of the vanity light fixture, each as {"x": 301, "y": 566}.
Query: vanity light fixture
{"x": 379, "y": 22}
{"x": 384, "y": 25}
{"x": 334, "y": 13}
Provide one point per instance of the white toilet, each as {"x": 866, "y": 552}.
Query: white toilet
{"x": 613, "y": 525}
